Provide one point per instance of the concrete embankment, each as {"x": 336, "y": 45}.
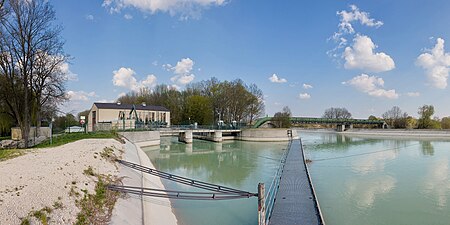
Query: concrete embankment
{"x": 269, "y": 134}
{"x": 137, "y": 209}
{"x": 143, "y": 138}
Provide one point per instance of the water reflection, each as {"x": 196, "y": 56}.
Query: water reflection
{"x": 340, "y": 142}
{"x": 427, "y": 148}
{"x": 378, "y": 180}
{"x": 437, "y": 182}
{"x": 373, "y": 162}
{"x": 365, "y": 190}
{"x": 236, "y": 164}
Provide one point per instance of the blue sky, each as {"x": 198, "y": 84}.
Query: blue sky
{"x": 366, "y": 56}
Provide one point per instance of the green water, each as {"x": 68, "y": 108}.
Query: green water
{"x": 236, "y": 164}
{"x": 380, "y": 181}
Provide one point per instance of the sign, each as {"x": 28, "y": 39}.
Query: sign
{"x": 82, "y": 122}
{"x": 82, "y": 117}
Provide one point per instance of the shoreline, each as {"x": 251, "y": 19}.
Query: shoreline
{"x": 146, "y": 210}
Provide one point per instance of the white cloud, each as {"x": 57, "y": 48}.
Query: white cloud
{"x": 372, "y": 86}
{"x": 413, "y": 94}
{"x": 128, "y": 16}
{"x": 80, "y": 95}
{"x": 436, "y": 64}
{"x": 121, "y": 94}
{"x": 346, "y": 30}
{"x": 304, "y": 96}
{"x": 125, "y": 77}
{"x": 149, "y": 81}
{"x": 182, "y": 71}
{"x": 64, "y": 68}
{"x": 275, "y": 79}
{"x": 184, "y": 66}
{"x": 185, "y": 8}
{"x": 355, "y": 15}
{"x": 89, "y": 17}
{"x": 361, "y": 55}
{"x": 105, "y": 101}
{"x": 307, "y": 86}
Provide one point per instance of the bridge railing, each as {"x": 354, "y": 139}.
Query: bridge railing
{"x": 271, "y": 192}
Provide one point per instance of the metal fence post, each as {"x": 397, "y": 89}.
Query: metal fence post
{"x": 261, "y": 205}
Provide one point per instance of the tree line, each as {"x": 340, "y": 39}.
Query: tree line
{"x": 397, "y": 119}
{"x": 32, "y": 80}
{"x": 204, "y": 102}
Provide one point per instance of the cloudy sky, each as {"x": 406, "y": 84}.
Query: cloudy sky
{"x": 366, "y": 56}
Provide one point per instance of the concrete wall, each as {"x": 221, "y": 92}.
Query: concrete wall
{"x": 16, "y": 133}
{"x": 263, "y": 134}
{"x": 143, "y": 138}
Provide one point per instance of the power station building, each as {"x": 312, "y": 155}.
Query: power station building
{"x": 108, "y": 116}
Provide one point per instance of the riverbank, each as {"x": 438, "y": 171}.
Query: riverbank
{"x": 134, "y": 209}
{"x": 44, "y": 184}
{"x": 387, "y": 133}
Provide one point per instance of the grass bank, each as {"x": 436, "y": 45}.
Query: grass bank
{"x": 5, "y": 138}
{"x": 68, "y": 138}
{"x": 10, "y": 153}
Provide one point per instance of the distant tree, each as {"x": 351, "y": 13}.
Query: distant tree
{"x": 62, "y": 122}
{"x": 395, "y": 118}
{"x": 372, "y": 117}
{"x": 445, "y": 123}
{"x": 411, "y": 122}
{"x": 255, "y": 103}
{"x": 425, "y": 121}
{"x": 337, "y": 113}
{"x": 282, "y": 119}
{"x": 198, "y": 109}
{"x": 230, "y": 100}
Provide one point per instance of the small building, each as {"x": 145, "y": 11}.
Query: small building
{"x": 107, "y": 116}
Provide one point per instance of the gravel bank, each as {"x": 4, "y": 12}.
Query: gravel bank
{"x": 46, "y": 176}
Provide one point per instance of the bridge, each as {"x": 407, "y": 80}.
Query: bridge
{"x": 187, "y": 136}
{"x": 292, "y": 200}
{"x": 341, "y": 123}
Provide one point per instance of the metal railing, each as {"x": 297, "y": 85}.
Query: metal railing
{"x": 271, "y": 192}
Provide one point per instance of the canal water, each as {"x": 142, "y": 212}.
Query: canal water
{"x": 380, "y": 181}
{"x": 367, "y": 181}
{"x": 236, "y": 164}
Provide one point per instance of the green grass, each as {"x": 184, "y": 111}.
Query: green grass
{"x": 5, "y": 138}
{"x": 68, "y": 138}
{"x": 10, "y": 153}
{"x": 97, "y": 208}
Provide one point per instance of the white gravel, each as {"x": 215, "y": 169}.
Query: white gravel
{"x": 45, "y": 176}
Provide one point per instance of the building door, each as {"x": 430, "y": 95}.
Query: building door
{"x": 94, "y": 120}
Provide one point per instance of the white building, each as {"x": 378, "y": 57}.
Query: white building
{"x": 106, "y": 116}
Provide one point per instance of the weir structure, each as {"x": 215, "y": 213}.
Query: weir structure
{"x": 341, "y": 123}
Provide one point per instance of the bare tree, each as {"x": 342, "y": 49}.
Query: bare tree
{"x": 337, "y": 113}
{"x": 255, "y": 104}
{"x": 30, "y": 54}
{"x": 395, "y": 118}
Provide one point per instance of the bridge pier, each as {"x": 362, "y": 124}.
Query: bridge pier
{"x": 217, "y": 136}
{"x": 340, "y": 127}
{"x": 185, "y": 137}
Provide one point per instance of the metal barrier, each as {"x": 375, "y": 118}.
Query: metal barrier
{"x": 271, "y": 192}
